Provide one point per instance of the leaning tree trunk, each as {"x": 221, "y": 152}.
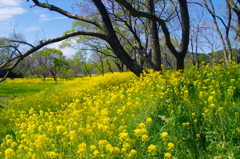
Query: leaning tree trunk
{"x": 114, "y": 41}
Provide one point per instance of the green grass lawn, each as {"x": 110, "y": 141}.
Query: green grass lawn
{"x": 11, "y": 90}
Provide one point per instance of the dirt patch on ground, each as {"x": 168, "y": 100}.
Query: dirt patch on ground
{"x": 3, "y": 102}
{"x": 4, "y": 99}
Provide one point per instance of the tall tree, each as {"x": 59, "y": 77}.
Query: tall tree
{"x": 103, "y": 21}
{"x": 226, "y": 46}
{"x": 49, "y": 61}
{"x": 154, "y": 38}
{"x": 184, "y": 23}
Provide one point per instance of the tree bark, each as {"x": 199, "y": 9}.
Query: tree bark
{"x": 185, "y": 24}
{"x": 154, "y": 39}
{"x": 180, "y": 62}
{"x": 228, "y": 25}
{"x": 114, "y": 41}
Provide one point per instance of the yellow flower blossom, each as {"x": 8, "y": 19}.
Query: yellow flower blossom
{"x": 93, "y": 147}
{"x": 141, "y": 126}
{"x": 210, "y": 98}
{"x": 9, "y": 153}
{"x": 14, "y": 144}
{"x": 144, "y": 137}
{"x": 120, "y": 112}
{"x": 137, "y": 132}
{"x": 115, "y": 150}
{"x": 170, "y": 146}
{"x": 8, "y": 137}
{"x": 149, "y": 120}
{"x": 82, "y": 148}
{"x": 167, "y": 155}
{"x": 102, "y": 143}
{"x": 132, "y": 153}
{"x": 164, "y": 135}
{"x": 186, "y": 124}
{"x": 152, "y": 150}
{"x": 124, "y": 136}
{"x": 52, "y": 155}
{"x": 126, "y": 145}
{"x": 96, "y": 153}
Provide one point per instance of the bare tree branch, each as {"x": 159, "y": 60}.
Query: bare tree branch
{"x": 67, "y": 14}
{"x": 44, "y": 43}
{"x": 5, "y": 76}
{"x": 161, "y": 22}
{"x": 22, "y": 42}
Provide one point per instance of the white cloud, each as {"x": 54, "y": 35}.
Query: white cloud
{"x": 68, "y": 51}
{"x": 4, "y": 3}
{"x": 9, "y": 12}
{"x": 55, "y": 45}
{"x": 45, "y": 17}
{"x": 32, "y": 28}
{"x": 9, "y": 8}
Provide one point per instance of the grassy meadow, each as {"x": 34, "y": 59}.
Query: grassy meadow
{"x": 160, "y": 116}
{"x": 23, "y": 87}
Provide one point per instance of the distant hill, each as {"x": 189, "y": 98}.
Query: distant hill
{"x": 217, "y": 57}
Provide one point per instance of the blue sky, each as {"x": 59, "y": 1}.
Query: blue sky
{"x": 37, "y": 23}
{"x": 34, "y": 22}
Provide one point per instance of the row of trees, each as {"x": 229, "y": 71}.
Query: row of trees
{"x": 137, "y": 34}
{"x": 50, "y": 62}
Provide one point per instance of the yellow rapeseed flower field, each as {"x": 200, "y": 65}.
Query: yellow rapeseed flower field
{"x": 159, "y": 115}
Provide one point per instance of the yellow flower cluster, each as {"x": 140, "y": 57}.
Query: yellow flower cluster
{"x": 85, "y": 124}
{"x": 121, "y": 116}
{"x": 152, "y": 150}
